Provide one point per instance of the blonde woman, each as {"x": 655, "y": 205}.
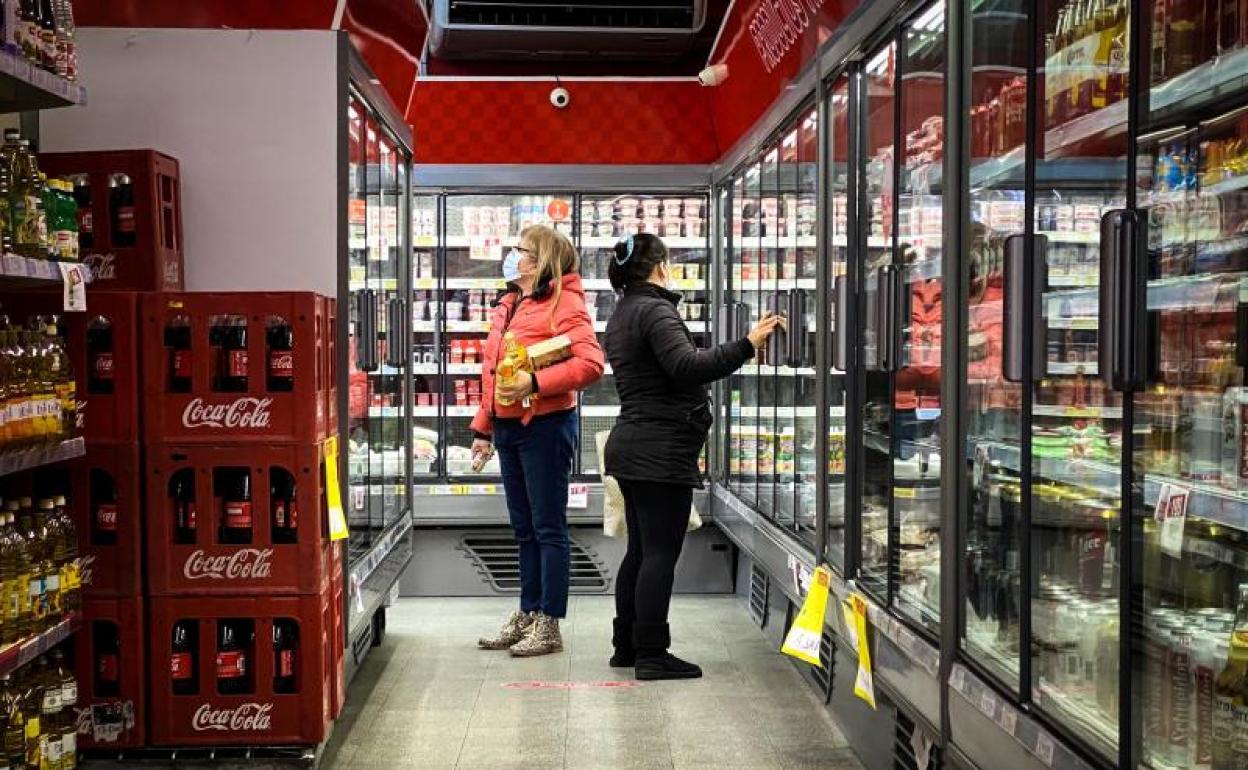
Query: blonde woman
{"x": 535, "y": 431}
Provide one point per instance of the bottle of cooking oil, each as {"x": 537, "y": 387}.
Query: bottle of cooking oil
{"x": 50, "y": 564}
{"x": 32, "y": 710}
{"x": 68, "y": 721}
{"x": 71, "y": 584}
{"x": 50, "y": 713}
{"x": 14, "y": 723}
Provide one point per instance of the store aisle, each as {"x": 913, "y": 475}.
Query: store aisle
{"x": 429, "y": 699}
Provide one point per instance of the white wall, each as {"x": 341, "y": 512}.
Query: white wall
{"x": 251, "y": 118}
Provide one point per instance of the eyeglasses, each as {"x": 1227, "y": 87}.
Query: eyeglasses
{"x": 523, "y": 250}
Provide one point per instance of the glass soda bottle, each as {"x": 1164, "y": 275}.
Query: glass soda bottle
{"x": 185, "y": 520}
{"x": 107, "y": 643}
{"x": 285, "y": 656}
{"x": 283, "y": 500}
{"x": 178, "y": 344}
{"x": 101, "y": 370}
{"x": 183, "y": 665}
{"x": 1230, "y": 714}
{"x": 231, "y": 659}
{"x": 236, "y": 514}
{"x": 121, "y": 210}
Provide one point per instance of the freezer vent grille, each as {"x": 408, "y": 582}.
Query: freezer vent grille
{"x": 613, "y": 14}
{"x": 760, "y": 586}
{"x": 903, "y": 751}
{"x": 823, "y": 676}
{"x": 497, "y": 558}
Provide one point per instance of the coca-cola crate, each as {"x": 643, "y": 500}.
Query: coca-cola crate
{"x": 331, "y": 365}
{"x": 131, "y": 232}
{"x": 254, "y": 690}
{"x": 204, "y": 536}
{"x": 109, "y": 662}
{"x": 106, "y": 501}
{"x": 103, "y": 346}
{"x": 221, "y": 368}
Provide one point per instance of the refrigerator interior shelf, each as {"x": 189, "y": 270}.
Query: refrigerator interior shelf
{"x": 679, "y": 284}
{"x": 1215, "y": 78}
{"x": 992, "y": 172}
{"x": 608, "y": 242}
{"x": 1079, "y": 712}
{"x": 769, "y": 284}
{"x": 1088, "y": 368}
{"x": 1107, "y": 121}
{"x": 461, "y": 411}
{"x": 766, "y": 413}
{"x": 456, "y": 490}
{"x": 1074, "y": 280}
{"x": 778, "y": 371}
{"x": 1072, "y": 236}
{"x": 1213, "y": 503}
{"x": 430, "y": 369}
{"x": 1077, "y": 412}
{"x": 1210, "y": 292}
{"x": 378, "y": 284}
{"x": 1073, "y": 323}
{"x": 1097, "y": 476}
{"x": 389, "y": 412}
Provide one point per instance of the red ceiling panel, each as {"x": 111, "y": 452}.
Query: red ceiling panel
{"x": 791, "y": 31}
{"x": 608, "y": 122}
{"x": 237, "y": 14}
{"x": 390, "y": 34}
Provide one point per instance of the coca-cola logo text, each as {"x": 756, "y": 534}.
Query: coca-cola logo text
{"x": 282, "y": 363}
{"x": 253, "y": 717}
{"x": 245, "y": 412}
{"x": 243, "y": 564}
{"x": 103, "y": 267}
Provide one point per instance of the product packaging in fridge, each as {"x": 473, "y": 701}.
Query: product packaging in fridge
{"x": 1235, "y": 439}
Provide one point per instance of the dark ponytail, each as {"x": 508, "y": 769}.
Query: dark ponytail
{"x": 636, "y": 257}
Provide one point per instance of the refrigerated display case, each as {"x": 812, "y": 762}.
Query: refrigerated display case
{"x": 772, "y": 261}
{"x": 373, "y": 346}
{"x": 460, "y": 239}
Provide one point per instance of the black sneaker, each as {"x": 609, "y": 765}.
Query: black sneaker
{"x": 666, "y": 666}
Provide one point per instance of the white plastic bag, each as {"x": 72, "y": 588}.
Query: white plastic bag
{"x": 614, "y": 522}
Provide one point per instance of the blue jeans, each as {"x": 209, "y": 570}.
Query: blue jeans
{"x": 536, "y": 462}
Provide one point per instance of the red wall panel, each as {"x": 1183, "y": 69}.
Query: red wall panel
{"x": 390, "y": 35}
{"x": 752, "y": 87}
{"x": 610, "y": 122}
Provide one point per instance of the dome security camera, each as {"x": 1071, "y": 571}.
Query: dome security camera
{"x": 560, "y": 98}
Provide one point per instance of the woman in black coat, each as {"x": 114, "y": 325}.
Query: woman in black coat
{"x": 665, "y": 415}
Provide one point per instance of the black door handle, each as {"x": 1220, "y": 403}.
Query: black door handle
{"x": 1024, "y": 307}
{"x": 888, "y": 336}
{"x": 840, "y": 320}
{"x": 777, "y": 343}
{"x": 798, "y": 331}
{"x": 1123, "y": 302}
{"x": 366, "y": 333}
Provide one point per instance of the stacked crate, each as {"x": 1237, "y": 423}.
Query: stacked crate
{"x": 131, "y": 232}
{"x": 244, "y": 585}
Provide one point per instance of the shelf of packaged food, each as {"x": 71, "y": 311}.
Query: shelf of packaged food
{"x": 777, "y": 371}
{"x": 1073, "y": 323}
{"x": 18, "y": 271}
{"x": 1219, "y": 77}
{"x": 1077, "y": 412}
{"x": 1098, "y": 476}
{"x": 781, "y": 412}
{"x": 1074, "y": 280}
{"x": 992, "y": 172}
{"x": 772, "y": 284}
{"x": 388, "y": 412}
{"x": 428, "y": 283}
{"x": 376, "y": 284}
{"x": 1091, "y": 237}
{"x": 1058, "y": 369}
{"x": 1209, "y": 292}
{"x": 1228, "y": 507}
{"x": 14, "y": 656}
{"x": 454, "y": 327}
{"x": 31, "y": 87}
{"x": 26, "y": 459}
{"x": 678, "y": 284}
{"x": 608, "y": 242}
{"x": 1106, "y": 121}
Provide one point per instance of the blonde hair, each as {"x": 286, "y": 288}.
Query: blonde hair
{"x": 555, "y": 256}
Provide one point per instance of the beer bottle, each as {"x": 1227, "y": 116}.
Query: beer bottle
{"x": 183, "y": 661}
{"x": 182, "y": 491}
{"x": 1230, "y": 717}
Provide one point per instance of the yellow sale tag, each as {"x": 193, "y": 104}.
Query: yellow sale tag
{"x": 333, "y": 491}
{"x": 803, "y": 638}
{"x": 854, "y": 610}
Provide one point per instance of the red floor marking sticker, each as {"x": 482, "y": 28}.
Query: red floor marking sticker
{"x": 536, "y": 685}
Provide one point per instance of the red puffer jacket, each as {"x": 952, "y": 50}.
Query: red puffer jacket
{"x": 529, "y": 319}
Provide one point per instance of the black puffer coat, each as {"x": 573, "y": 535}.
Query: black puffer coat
{"x": 661, "y": 378}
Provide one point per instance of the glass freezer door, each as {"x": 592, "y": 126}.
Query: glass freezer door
{"x": 426, "y": 362}
{"x": 681, "y": 221}
{"x": 747, "y": 280}
{"x": 1190, "y": 486}
{"x": 797, "y": 458}
{"x": 838, "y": 254}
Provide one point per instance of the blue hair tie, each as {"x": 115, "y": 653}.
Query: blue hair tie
{"x": 628, "y": 243}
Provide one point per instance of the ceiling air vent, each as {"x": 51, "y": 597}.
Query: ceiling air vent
{"x": 653, "y": 30}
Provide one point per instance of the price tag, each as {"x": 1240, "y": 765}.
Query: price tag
{"x": 424, "y": 283}
{"x": 578, "y": 496}
{"x": 357, "y": 591}
{"x": 14, "y": 265}
{"x": 424, "y": 241}
{"x": 957, "y": 678}
{"x": 1044, "y": 749}
{"x": 1171, "y": 511}
{"x": 803, "y": 639}
{"x": 74, "y": 283}
{"x": 487, "y": 248}
{"x": 1008, "y": 720}
{"x": 358, "y": 496}
{"x": 987, "y": 703}
{"x": 333, "y": 492}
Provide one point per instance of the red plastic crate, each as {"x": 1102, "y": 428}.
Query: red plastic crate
{"x": 109, "y": 569}
{"x": 154, "y": 261}
{"x": 111, "y": 687}
{"x": 102, "y": 415}
{"x": 338, "y": 640}
{"x": 331, "y": 365}
{"x": 258, "y": 716}
{"x": 207, "y": 415}
{"x": 208, "y": 566}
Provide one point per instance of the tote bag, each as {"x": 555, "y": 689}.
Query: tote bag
{"x": 614, "y": 523}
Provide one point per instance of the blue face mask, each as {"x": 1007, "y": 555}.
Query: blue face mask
{"x": 511, "y": 265}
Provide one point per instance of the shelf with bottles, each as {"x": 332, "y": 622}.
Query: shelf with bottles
{"x": 767, "y": 370}
{"x": 17, "y": 271}
{"x": 1192, "y": 70}
{"x": 1060, "y": 464}
{"x": 42, "y": 68}
{"x": 781, "y": 412}
{"x": 18, "y": 460}
{"x": 677, "y": 284}
{"x": 1079, "y": 708}
{"x": 14, "y": 656}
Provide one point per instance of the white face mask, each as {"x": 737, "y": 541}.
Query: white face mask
{"x": 511, "y": 265}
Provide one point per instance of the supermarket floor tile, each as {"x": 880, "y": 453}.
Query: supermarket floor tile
{"x": 428, "y": 698}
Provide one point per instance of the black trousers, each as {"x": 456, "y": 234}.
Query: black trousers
{"x": 658, "y": 515}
